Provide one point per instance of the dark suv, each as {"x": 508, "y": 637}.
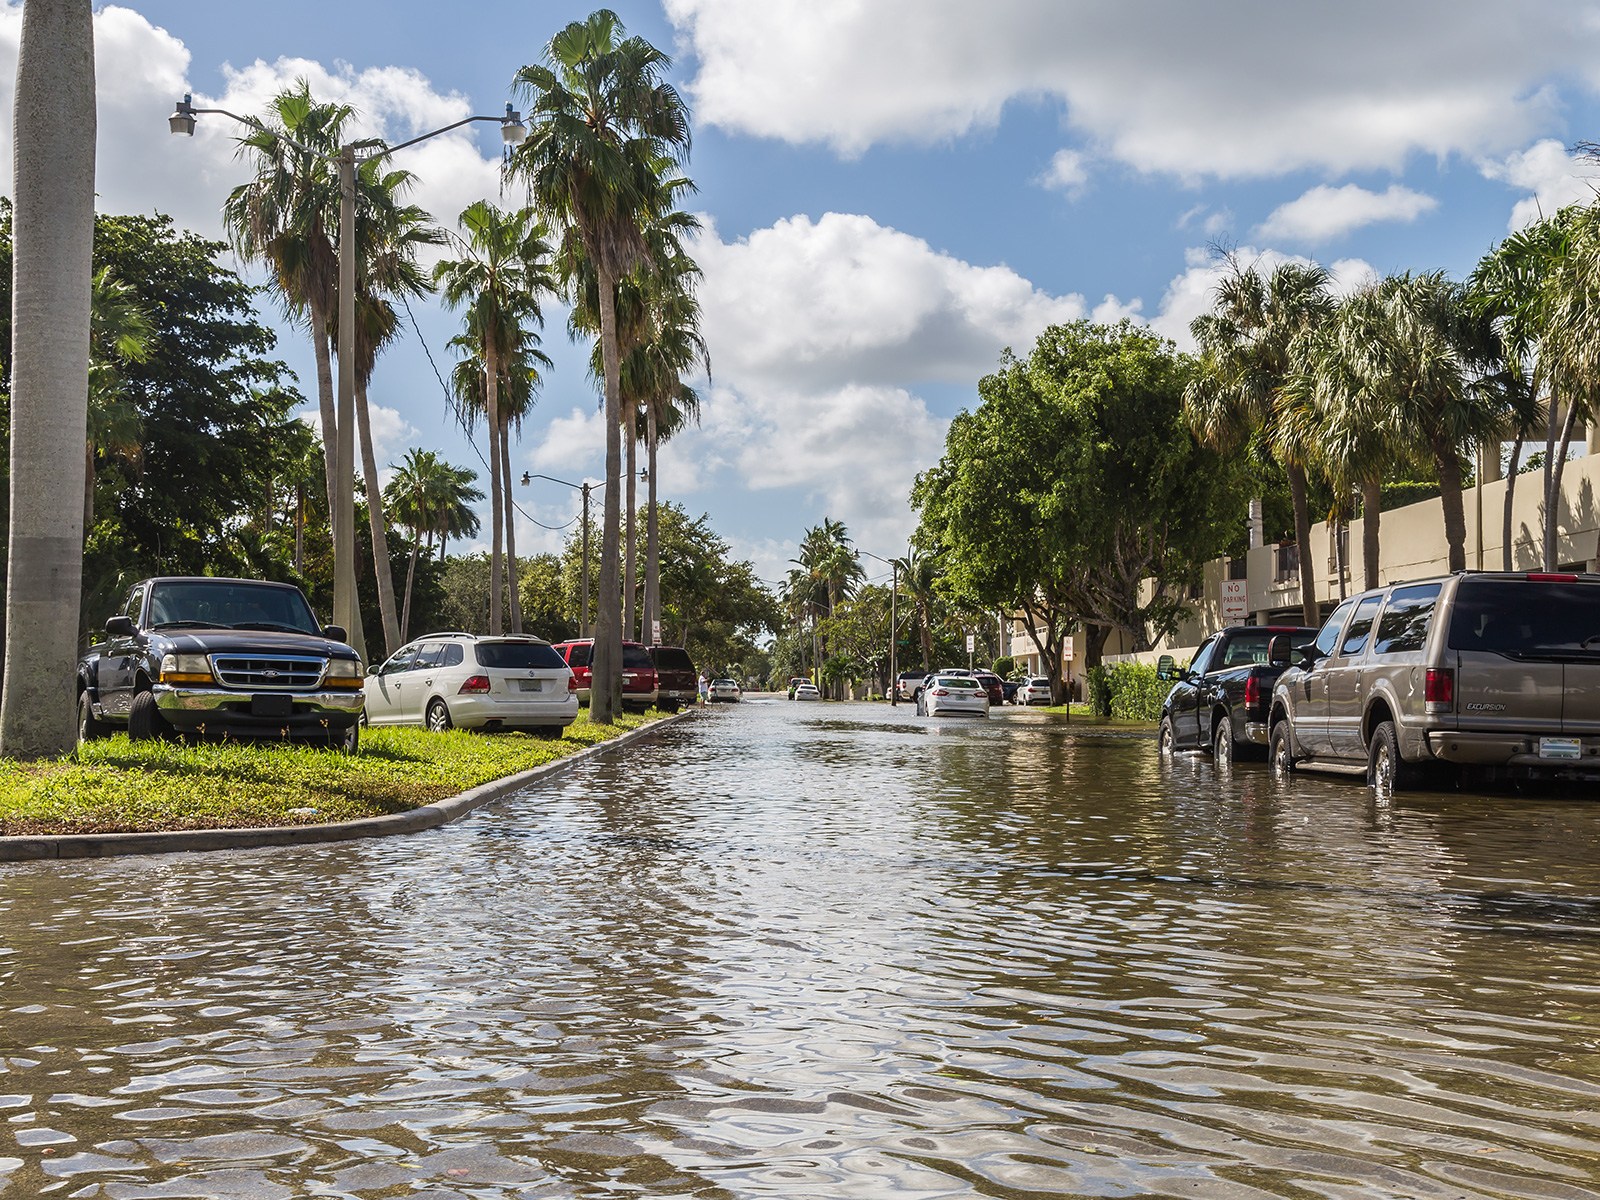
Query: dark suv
{"x": 237, "y": 657}
{"x": 677, "y": 683}
{"x": 638, "y": 672}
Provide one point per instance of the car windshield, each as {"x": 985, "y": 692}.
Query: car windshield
{"x": 1044, "y": 683}
{"x": 226, "y": 604}
{"x": 726, "y": 683}
{"x": 518, "y": 656}
{"x": 1527, "y": 618}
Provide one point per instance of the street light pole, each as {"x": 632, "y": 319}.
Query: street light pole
{"x": 894, "y": 636}
{"x": 527, "y": 478}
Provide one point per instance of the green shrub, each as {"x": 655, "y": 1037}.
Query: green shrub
{"x": 1127, "y": 692}
{"x": 1004, "y": 666}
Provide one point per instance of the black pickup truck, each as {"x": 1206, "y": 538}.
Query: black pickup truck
{"x": 1221, "y": 702}
{"x": 226, "y": 657}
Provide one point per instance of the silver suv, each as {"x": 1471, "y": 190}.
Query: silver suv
{"x": 1495, "y": 674}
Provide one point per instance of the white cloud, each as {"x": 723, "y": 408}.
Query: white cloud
{"x": 1249, "y": 87}
{"x": 1193, "y": 292}
{"x": 1555, "y": 178}
{"x": 1323, "y": 213}
{"x": 1068, "y": 172}
{"x": 141, "y": 70}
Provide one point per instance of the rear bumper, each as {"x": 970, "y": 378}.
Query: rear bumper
{"x": 213, "y": 709}
{"x": 1507, "y": 749}
{"x": 475, "y": 712}
{"x": 1256, "y": 731}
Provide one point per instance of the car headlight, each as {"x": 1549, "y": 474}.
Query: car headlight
{"x": 185, "y": 668}
{"x": 343, "y": 672}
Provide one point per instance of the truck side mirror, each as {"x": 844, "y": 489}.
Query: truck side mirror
{"x": 1279, "y": 651}
{"x": 335, "y": 633}
{"x": 1165, "y": 669}
{"x": 119, "y": 626}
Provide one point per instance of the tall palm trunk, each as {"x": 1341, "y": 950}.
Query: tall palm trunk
{"x": 1302, "y": 537}
{"x": 1506, "y": 555}
{"x": 53, "y": 140}
{"x": 1448, "y": 463}
{"x": 629, "y": 573}
{"x": 325, "y": 402}
{"x": 300, "y": 527}
{"x": 1371, "y": 501}
{"x": 411, "y": 575}
{"x": 605, "y": 693}
{"x": 377, "y": 525}
{"x": 88, "y": 489}
{"x": 511, "y": 530}
{"x": 1552, "y": 499}
{"x": 491, "y": 392}
{"x": 652, "y": 545}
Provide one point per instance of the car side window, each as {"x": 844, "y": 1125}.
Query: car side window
{"x": 429, "y": 656}
{"x": 135, "y": 604}
{"x": 453, "y": 655}
{"x": 1406, "y": 619}
{"x": 400, "y": 660}
{"x": 1328, "y": 638}
{"x": 578, "y": 655}
{"x": 1355, "y": 638}
{"x": 1203, "y": 657}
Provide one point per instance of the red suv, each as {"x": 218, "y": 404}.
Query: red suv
{"x": 991, "y": 683}
{"x": 638, "y": 672}
{"x": 676, "y": 681}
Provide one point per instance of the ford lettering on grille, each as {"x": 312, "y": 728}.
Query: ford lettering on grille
{"x": 267, "y": 672}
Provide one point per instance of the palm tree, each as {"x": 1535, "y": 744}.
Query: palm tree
{"x": 918, "y": 573}
{"x": 119, "y": 332}
{"x": 499, "y": 278}
{"x": 53, "y": 245}
{"x": 427, "y": 496}
{"x": 601, "y": 124}
{"x": 1248, "y": 346}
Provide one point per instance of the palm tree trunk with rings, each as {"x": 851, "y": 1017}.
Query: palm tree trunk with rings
{"x": 605, "y": 693}
{"x": 652, "y": 547}
{"x": 491, "y": 392}
{"x": 378, "y": 526}
{"x": 325, "y": 401}
{"x": 1371, "y": 501}
{"x": 629, "y": 571}
{"x": 511, "y": 529}
{"x": 1302, "y": 537}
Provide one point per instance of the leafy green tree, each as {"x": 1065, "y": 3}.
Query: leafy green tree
{"x": 119, "y": 332}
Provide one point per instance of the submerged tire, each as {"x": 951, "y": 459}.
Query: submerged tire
{"x": 1222, "y": 743}
{"x": 1280, "y": 755}
{"x": 1387, "y": 772}
{"x": 1166, "y": 738}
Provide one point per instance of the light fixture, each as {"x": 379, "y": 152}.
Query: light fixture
{"x": 526, "y": 479}
{"x": 182, "y": 120}
{"x": 512, "y": 131}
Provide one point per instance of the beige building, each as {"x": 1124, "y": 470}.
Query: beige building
{"x": 1266, "y": 582}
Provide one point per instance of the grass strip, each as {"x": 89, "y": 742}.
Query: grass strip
{"x": 118, "y": 786}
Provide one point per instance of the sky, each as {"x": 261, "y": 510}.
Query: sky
{"x": 893, "y": 192}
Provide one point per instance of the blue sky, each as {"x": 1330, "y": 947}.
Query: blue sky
{"x": 895, "y": 190}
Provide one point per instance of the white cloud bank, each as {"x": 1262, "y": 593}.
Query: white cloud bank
{"x": 1555, "y": 178}
{"x": 1324, "y": 213}
{"x": 1242, "y": 88}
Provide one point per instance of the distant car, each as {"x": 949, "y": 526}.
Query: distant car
{"x": 806, "y": 690}
{"x": 1034, "y": 691}
{"x": 448, "y": 680}
{"x": 794, "y": 682}
{"x": 1008, "y": 691}
{"x": 638, "y": 672}
{"x": 992, "y": 684}
{"x": 677, "y": 683}
{"x": 725, "y": 690}
{"x": 953, "y": 694}
{"x": 908, "y": 684}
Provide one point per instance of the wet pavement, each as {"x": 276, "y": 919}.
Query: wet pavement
{"x": 829, "y": 951}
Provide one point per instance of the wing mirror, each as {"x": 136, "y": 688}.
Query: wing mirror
{"x": 1279, "y": 651}
{"x": 335, "y": 633}
{"x": 1166, "y": 669}
{"x": 119, "y": 626}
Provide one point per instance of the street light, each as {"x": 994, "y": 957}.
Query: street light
{"x": 528, "y": 478}
{"x": 512, "y": 132}
{"x": 894, "y": 631}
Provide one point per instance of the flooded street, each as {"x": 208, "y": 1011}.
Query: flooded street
{"x": 829, "y": 951}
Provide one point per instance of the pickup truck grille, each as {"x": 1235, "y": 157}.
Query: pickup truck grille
{"x": 267, "y": 672}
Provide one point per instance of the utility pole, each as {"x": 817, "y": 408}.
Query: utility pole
{"x": 585, "y": 624}
{"x": 894, "y": 637}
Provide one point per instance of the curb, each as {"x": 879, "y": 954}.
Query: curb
{"x": 428, "y": 816}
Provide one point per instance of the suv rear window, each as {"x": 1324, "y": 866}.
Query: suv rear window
{"x": 1406, "y": 619}
{"x": 634, "y": 657}
{"x": 578, "y": 655}
{"x": 517, "y": 656}
{"x": 670, "y": 658}
{"x": 1526, "y": 618}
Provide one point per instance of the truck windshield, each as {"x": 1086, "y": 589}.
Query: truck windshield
{"x": 228, "y": 604}
{"x": 1527, "y": 618}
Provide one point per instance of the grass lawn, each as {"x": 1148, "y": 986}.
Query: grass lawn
{"x": 117, "y": 786}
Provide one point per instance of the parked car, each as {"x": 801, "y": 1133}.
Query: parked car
{"x": 638, "y": 672}
{"x": 1033, "y": 691}
{"x": 677, "y": 682}
{"x": 725, "y": 690}
{"x": 952, "y": 695}
{"x": 1008, "y": 690}
{"x": 806, "y": 690}
{"x": 907, "y": 683}
{"x": 1492, "y": 675}
{"x": 1221, "y": 701}
{"x": 992, "y": 684}
{"x": 794, "y": 682}
{"x": 232, "y": 657}
{"x": 447, "y": 680}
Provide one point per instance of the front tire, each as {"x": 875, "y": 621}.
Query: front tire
{"x": 345, "y": 741}
{"x": 1280, "y": 756}
{"x": 90, "y": 727}
{"x": 1222, "y": 744}
{"x": 1387, "y": 772}
{"x": 439, "y": 717}
{"x": 1166, "y": 739}
{"x": 145, "y": 722}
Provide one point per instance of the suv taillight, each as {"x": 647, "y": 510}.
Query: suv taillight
{"x": 572, "y": 683}
{"x": 1252, "y": 692}
{"x": 475, "y": 686}
{"x": 1440, "y": 689}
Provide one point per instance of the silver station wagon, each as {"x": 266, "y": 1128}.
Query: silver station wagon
{"x": 1490, "y": 677}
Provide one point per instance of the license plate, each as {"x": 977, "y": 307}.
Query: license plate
{"x": 271, "y": 706}
{"x": 531, "y": 685}
{"x": 1560, "y": 747}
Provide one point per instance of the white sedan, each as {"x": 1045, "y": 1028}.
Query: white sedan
{"x": 807, "y": 691}
{"x": 446, "y": 680}
{"x": 723, "y": 689}
{"x": 953, "y": 694}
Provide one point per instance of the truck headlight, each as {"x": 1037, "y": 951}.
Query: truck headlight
{"x": 186, "y": 668}
{"x": 343, "y": 673}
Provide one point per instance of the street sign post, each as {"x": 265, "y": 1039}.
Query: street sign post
{"x": 1235, "y": 605}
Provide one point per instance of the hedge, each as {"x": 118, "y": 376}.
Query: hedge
{"x": 1127, "y": 692}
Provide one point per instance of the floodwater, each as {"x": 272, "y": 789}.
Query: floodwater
{"x": 830, "y": 951}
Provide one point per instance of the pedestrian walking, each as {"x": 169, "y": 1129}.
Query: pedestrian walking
{"x": 705, "y": 688}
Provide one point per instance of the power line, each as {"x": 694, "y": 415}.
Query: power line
{"x": 421, "y": 341}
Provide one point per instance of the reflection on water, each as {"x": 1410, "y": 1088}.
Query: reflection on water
{"x": 846, "y": 953}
